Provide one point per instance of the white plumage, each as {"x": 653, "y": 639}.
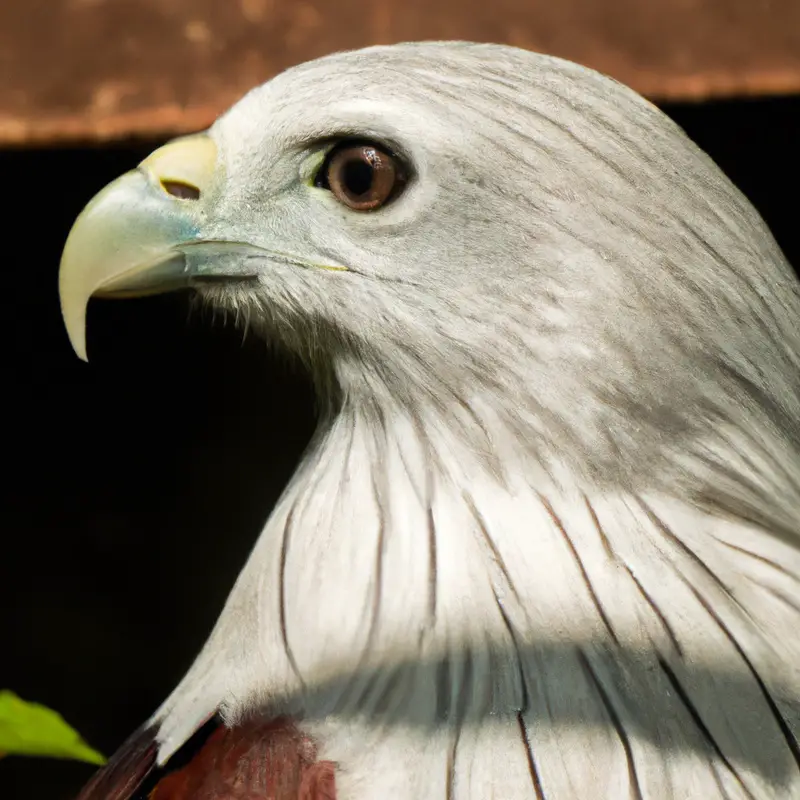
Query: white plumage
{"x": 544, "y": 544}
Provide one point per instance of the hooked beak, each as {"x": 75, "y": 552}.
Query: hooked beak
{"x": 141, "y": 234}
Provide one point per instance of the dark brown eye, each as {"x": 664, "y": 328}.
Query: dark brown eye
{"x": 362, "y": 176}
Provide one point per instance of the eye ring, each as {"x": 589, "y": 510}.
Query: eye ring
{"x": 361, "y": 175}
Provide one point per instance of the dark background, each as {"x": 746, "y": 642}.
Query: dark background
{"x": 134, "y": 487}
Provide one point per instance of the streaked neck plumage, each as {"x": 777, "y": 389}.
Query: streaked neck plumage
{"x": 404, "y": 583}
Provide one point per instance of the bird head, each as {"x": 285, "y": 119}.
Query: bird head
{"x": 453, "y": 225}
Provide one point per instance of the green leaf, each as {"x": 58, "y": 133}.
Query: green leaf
{"x": 30, "y": 729}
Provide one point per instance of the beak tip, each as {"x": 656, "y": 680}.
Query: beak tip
{"x": 74, "y": 317}
{"x": 79, "y": 348}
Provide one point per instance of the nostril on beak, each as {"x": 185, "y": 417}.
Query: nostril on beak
{"x": 184, "y": 168}
{"x": 181, "y": 190}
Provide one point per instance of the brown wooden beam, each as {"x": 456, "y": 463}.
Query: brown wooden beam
{"x": 98, "y": 69}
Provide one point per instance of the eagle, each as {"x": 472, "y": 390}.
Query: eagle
{"x": 545, "y": 540}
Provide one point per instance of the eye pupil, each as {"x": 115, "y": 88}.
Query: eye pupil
{"x": 357, "y": 177}
{"x": 362, "y": 176}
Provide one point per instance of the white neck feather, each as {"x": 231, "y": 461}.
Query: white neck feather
{"x": 386, "y": 587}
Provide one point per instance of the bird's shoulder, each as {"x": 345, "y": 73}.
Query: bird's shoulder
{"x": 264, "y": 759}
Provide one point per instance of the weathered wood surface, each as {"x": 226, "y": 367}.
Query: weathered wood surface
{"x": 99, "y": 69}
